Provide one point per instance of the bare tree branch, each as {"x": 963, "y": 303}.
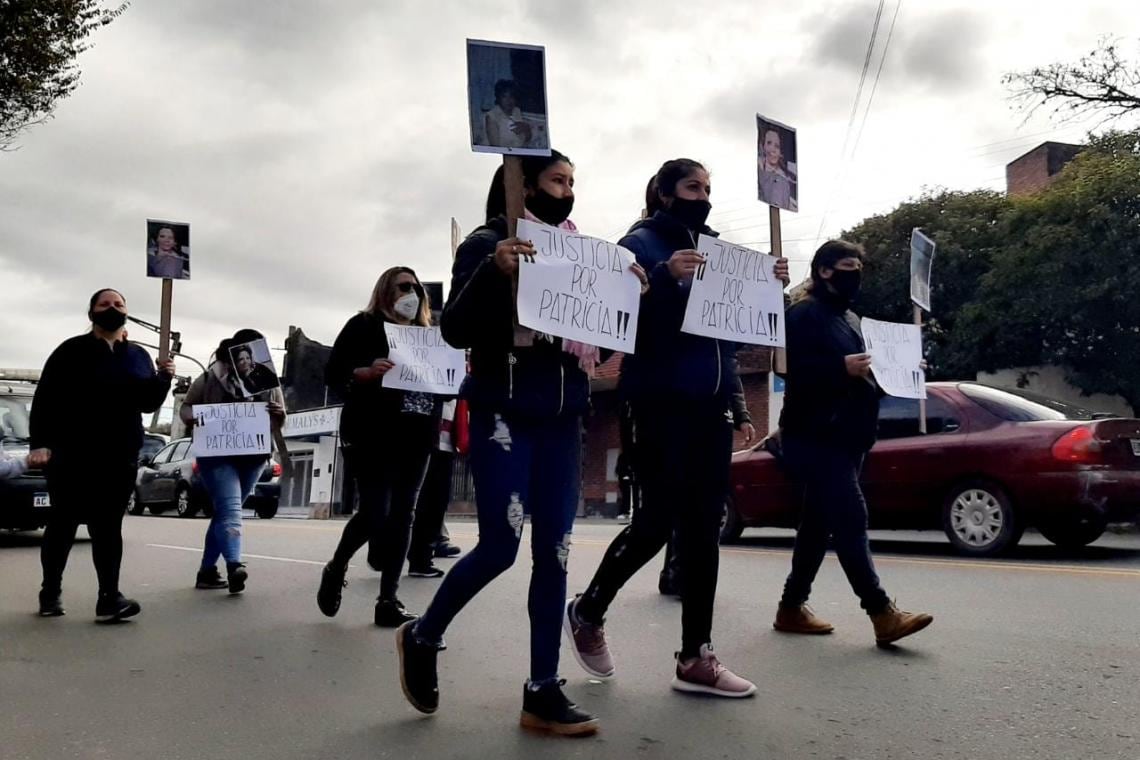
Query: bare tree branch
{"x": 1101, "y": 82}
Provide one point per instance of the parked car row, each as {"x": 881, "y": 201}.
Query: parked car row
{"x": 992, "y": 463}
{"x": 24, "y": 501}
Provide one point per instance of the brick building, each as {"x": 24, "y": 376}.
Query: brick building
{"x": 1036, "y": 170}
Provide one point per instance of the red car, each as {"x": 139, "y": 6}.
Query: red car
{"x": 992, "y": 463}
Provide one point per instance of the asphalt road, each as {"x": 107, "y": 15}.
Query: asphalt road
{"x": 1036, "y": 656}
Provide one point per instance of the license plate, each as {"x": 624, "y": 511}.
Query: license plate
{"x": 41, "y": 500}
{"x": 1135, "y": 446}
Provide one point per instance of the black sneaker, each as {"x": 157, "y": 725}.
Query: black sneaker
{"x": 210, "y": 579}
{"x": 669, "y": 585}
{"x": 447, "y": 550}
{"x": 425, "y": 571}
{"x": 418, "y": 677}
{"x": 328, "y": 595}
{"x": 548, "y": 709}
{"x": 111, "y": 608}
{"x": 237, "y": 576}
{"x": 390, "y": 613}
{"x": 50, "y": 604}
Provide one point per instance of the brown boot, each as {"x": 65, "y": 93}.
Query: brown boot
{"x": 801, "y": 620}
{"x": 893, "y": 624}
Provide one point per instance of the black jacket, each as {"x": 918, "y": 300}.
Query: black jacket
{"x": 822, "y": 402}
{"x": 667, "y": 362}
{"x": 370, "y": 410}
{"x": 90, "y": 399}
{"x": 535, "y": 381}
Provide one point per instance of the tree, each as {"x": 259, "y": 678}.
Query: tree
{"x": 39, "y": 43}
{"x": 966, "y": 227}
{"x": 1101, "y": 82}
{"x": 1063, "y": 289}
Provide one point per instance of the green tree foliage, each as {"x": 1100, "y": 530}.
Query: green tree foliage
{"x": 39, "y": 43}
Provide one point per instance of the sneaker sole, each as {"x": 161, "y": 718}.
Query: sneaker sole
{"x": 118, "y": 616}
{"x": 211, "y": 587}
{"x": 921, "y": 625}
{"x": 52, "y": 613}
{"x": 568, "y": 627}
{"x": 804, "y": 631}
{"x": 403, "y": 682}
{"x": 425, "y": 575}
{"x": 535, "y": 723}
{"x": 696, "y": 688}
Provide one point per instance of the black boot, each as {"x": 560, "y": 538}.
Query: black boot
{"x": 210, "y": 578}
{"x": 390, "y": 613}
{"x": 548, "y": 709}
{"x": 114, "y": 607}
{"x": 50, "y": 604}
{"x": 237, "y": 576}
{"x": 418, "y": 677}
{"x": 328, "y": 595}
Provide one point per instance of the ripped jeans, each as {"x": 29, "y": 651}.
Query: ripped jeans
{"x": 229, "y": 482}
{"x": 521, "y": 466}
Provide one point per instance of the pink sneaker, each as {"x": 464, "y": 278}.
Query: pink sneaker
{"x": 705, "y": 675}
{"x": 588, "y": 643}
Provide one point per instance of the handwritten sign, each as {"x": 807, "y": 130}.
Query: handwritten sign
{"x": 224, "y": 430}
{"x": 735, "y": 296}
{"x": 921, "y": 261}
{"x": 578, "y": 287}
{"x": 896, "y": 357}
{"x": 324, "y": 421}
{"x": 424, "y": 362}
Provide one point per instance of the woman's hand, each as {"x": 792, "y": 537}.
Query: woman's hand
{"x": 638, "y": 270}
{"x": 749, "y": 431}
{"x": 858, "y": 365}
{"x": 783, "y": 274}
{"x": 380, "y": 367}
{"x": 683, "y": 264}
{"x": 39, "y": 457}
{"x": 276, "y": 410}
{"x": 507, "y": 254}
{"x": 165, "y": 368}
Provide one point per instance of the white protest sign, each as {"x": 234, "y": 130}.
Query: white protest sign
{"x": 224, "y": 430}
{"x": 735, "y": 295}
{"x": 323, "y": 421}
{"x": 896, "y": 357}
{"x": 578, "y": 287}
{"x": 921, "y": 262}
{"x": 424, "y": 362}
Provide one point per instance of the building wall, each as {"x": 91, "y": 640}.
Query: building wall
{"x": 1035, "y": 171}
{"x": 1050, "y": 382}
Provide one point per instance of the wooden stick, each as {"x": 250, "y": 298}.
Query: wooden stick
{"x": 779, "y": 355}
{"x": 164, "y": 320}
{"x": 921, "y": 401}
{"x": 513, "y": 187}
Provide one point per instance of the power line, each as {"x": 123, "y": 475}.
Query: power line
{"x": 875, "y": 84}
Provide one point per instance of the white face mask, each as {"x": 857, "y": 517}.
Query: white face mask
{"x": 407, "y": 306}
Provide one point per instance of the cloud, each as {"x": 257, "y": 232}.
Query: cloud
{"x": 946, "y": 51}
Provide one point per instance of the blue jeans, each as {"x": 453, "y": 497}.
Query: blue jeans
{"x": 229, "y": 482}
{"x": 520, "y": 466}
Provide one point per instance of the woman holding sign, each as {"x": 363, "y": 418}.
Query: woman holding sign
{"x": 828, "y": 424}
{"x": 683, "y": 389}
{"x": 87, "y": 429}
{"x": 527, "y": 393}
{"x": 230, "y": 479}
{"x": 388, "y": 436}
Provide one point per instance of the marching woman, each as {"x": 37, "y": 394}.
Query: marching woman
{"x": 527, "y": 392}
{"x": 86, "y": 427}
{"x": 229, "y": 480}
{"x": 683, "y": 389}
{"x": 387, "y": 437}
{"x": 827, "y": 426}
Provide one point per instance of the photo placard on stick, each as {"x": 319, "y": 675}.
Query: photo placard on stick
{"x": 424, "y": 361}
{"x": 254, "y": 367}
{"x": 735, "y": 295}
{"x": 222, "y": 430}
{"x": 921, "y": 262}
{"x": 167, "y": 250}
{"x": 578, "y": 287}
{"x": 777, "y": 164}
{"x": 896, "y": 357}
{"x": 506, "y": 98}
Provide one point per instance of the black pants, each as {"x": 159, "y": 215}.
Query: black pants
{"x": 388, "y": 477}
{"x": 683, "y": 459}
{"x": 435, "y": 495}
{"x": 95, "y": 494}
{"x": 834, "y": 509}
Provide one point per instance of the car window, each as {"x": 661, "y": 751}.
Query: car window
{"x": 14, "y": 413}
{"x": 164, "y": 456}
{"x": 180, "y": 452}
{"x": 1021, "y": 406}
{"x": 151, "y": 446}
{"x": 941, "y": 416}
{"x": 898, "y": 417}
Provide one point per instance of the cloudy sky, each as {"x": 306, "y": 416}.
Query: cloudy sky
{"x": 313, "y": 144}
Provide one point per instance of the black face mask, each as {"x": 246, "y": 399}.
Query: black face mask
{"x": 551, "y": 210}
{"x": 109, "y": 319}
{"x": 690, "y": 213}
{"x": 847, "y": 283}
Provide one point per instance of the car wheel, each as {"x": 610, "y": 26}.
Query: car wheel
{"x": 731, "y": 526}
{"x": 267, "y": 510}
{"x": 979, "y": 520}
{"x": 1074, "y": 533}
{"x": 183, "y": 503}
{"x": 134, "y": 504}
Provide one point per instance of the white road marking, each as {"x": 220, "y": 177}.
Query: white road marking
{"x": 198, "y": 550}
